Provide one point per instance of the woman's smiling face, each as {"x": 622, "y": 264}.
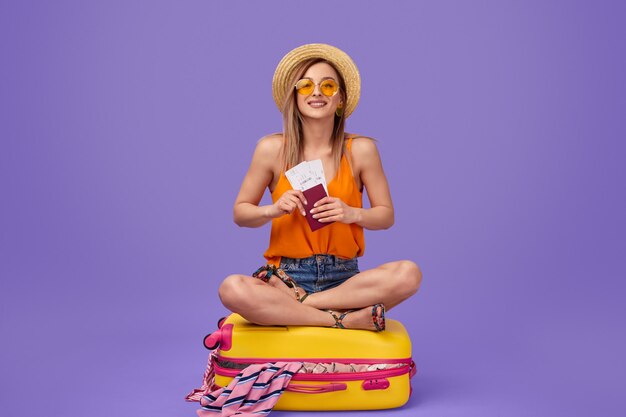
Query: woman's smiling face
{"x": 316, "y": 105}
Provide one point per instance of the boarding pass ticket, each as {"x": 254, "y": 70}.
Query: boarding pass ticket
{"x": 306, "y": 175}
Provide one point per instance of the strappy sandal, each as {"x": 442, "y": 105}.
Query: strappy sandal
{"x": 378, "y": 317}
{"x": 265, "y": 272}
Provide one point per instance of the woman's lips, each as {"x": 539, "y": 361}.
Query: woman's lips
{"x": 317, "y": 104}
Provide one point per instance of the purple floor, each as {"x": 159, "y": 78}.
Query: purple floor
{"x": 127, "y": 127}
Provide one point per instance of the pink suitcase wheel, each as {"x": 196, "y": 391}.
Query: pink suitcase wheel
{"x": 222, "y": 338}
{"x": 212, "y": 341}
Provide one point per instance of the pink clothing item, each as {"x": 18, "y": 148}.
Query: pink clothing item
{"x": 307, "y": 368}
{"x": 207, "y": 381}
{"x": 254, "y": 391}
{"x": 336, "y": 367}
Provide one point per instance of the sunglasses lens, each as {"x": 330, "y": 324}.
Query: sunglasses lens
{"x": 329, "y": 88}
{"x": 305, "y": 87}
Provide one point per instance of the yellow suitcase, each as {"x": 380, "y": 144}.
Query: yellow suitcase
{"x": 238, "y": 343}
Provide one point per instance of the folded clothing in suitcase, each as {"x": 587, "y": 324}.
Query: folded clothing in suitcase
{"x": 341, "y": 369}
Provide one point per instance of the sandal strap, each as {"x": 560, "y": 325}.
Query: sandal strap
{"x": 282, "y": 275}
{"x": 376, "y": 318}
{"x": 268, "y": 273}
{"x": 339, "y": 320}
{"x": 291, "y": 283}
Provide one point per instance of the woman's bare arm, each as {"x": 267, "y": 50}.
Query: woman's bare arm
{"x": 368, "y": 163}
{"x": 247, "y": 212}
{"x": 365, "y": 163}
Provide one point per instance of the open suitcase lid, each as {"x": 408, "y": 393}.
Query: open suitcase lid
{"x": 238, "y": 338}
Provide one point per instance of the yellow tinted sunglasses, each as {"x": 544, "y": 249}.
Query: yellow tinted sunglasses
{"x": 306, "y": 87}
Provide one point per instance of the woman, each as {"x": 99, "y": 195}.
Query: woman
{"x": 312, "y": 277}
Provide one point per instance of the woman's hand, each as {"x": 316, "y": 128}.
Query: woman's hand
{"x": 332, "y": 209}
{"x": 287, "y": 203}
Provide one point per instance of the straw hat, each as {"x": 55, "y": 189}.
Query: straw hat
{"x": 342, "y": 62}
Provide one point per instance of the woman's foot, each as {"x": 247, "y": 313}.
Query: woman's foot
{"x": 368, "y": 318}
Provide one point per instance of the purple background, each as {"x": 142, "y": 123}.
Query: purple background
{"x": 127, "y": 127}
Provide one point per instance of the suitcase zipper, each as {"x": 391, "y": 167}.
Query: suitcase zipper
{"x": 346, "y": 376}
{"x": 250, "y": 361}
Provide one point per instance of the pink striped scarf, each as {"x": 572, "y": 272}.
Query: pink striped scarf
{"x": 253, "y": 392}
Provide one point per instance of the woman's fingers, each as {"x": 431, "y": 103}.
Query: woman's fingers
{"x": 301, "y": 196}
{"x": 295, "y": 200}
{"x": 326, "y": 214}
{"x": 283, "y": 207}
{"x": 337, "y": 218}
{"x": 325, "y": 200}
{"x": 291, "y": 200}
{"x": 325, "y": 207}
{"x": 287, "y": 205}
{"x": 300, "y": 201}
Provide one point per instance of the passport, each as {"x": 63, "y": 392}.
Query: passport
{"x": 312, "y": 196}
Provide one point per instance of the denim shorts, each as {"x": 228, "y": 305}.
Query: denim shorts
{"x": 319, "y": 272}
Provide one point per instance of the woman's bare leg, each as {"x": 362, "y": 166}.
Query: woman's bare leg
{"x": 390, "y": 284}
{"x": 265, "y": 304}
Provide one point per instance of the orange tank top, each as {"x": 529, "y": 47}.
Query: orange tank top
{"x": 292, "y": 237}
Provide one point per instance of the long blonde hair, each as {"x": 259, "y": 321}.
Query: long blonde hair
{"x": 293, "y": 149}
